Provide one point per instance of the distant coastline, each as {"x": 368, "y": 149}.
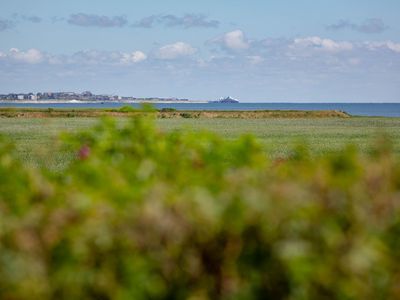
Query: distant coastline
{"x": 84, "y": 97}
{"x": 63, "y": 101}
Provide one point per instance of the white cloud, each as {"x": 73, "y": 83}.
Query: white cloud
{"x": 395, "y": 47}
{"x": 95, "y": 57}
{"x": 235, "y": 40}
{"x": 317, "y": 43}
{"x": 175, "y": 50}
{"x": 31, "y": 56}
{"x": 134, "y": 57}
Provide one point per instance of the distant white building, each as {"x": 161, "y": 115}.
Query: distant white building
{"x": 20, "y": 97}
{"x": 33, "y": 97}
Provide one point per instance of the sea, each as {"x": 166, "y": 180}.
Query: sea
{"x": 355, "y": 109}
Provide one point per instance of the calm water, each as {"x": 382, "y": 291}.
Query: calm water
{"x": 356, "y": 109}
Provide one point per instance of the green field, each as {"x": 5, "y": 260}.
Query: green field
{"x": 37, "y": 139}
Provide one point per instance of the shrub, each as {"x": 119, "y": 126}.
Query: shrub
{"x": 142, "y": 214}
{"x": 168, "y": 109}
{"x": 126, "y": 108}
{"x": 186, "y": 115}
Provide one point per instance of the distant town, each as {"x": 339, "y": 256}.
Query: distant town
{"x": 87, "y": 96}
{"x": 72, "y": 96}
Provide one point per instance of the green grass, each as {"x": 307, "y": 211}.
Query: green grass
{"x": 280, "y": 135}
{"x": 37, "y": 139}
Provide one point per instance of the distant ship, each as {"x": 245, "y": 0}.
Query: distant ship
{"x": 226, "y": 100}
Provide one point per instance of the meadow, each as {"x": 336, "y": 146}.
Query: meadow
{"x": 37, "y": 140}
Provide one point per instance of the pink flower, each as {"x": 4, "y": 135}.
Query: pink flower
{"x": 84, "y": 152}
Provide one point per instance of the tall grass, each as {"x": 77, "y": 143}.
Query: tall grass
{"x": 37, "y": 139}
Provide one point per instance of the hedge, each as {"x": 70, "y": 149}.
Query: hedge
{"x": 144, "y": 214}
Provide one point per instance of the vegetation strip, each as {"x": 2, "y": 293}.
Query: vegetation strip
{"x": 167, "y": 113}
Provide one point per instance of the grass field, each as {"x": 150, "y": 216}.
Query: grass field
{"x": 37, "y": 139}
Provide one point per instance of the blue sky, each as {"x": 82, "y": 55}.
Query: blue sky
{"x": 254, "y": 50}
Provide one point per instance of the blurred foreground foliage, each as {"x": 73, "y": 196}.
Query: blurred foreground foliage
{"x": 142, "y": 214}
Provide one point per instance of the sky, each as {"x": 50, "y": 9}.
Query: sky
{"x": 253, "y": 50}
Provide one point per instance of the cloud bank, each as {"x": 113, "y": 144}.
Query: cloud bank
{"x": 321, "y": 44}
{"x": 31, "y": 56}
{"x": 186, "y": 21}
{"x": 90, "y": 20}
{"x": 369, "y": 26}
{"x": 86, "y": 57}
{"x": 234, "y": 47}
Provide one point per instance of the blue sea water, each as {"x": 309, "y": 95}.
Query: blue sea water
{"x": 355, "y": 109}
